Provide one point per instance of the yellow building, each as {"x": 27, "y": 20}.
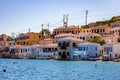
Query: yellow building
{"x": 3, "y": 41}
{"x": 69, "y": 29}
{"x": 86, "y": 30}
{"x": 29, "y": 38}
{"x": 103, "y": 30}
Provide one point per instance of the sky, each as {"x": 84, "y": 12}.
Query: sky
{"x": 17, "y": 16}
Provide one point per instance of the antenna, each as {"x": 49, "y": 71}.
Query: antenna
{"x": 65, "y": 20}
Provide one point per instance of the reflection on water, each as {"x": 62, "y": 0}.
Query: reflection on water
{"x": 21, "y": 69}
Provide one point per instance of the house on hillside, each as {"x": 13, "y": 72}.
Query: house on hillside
{"x": 87, "y": 37}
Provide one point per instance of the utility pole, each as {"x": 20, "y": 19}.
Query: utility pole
{"x": 29, "y": 29}
{"x": 78, "y": 29}
{"x": 48, "y": 26}
{"x": 42, "y": 30}
{"x": 86, "y": 12}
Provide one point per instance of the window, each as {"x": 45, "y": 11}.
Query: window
{"x": 59, "y": 53}
{"x": 67, "y": 44}
{"x": 86, "y": 48}
{"x": 59, "y": 44}
{"x": 21, "y": 51}
{"x": 83, "y": 48}
{"x": 68, "y": 54}
{"x": 74, "y": 45}
{"x": 95, "y": 48}
{"x": 55, "y": 49}
{"x": 10, "y": 43}
{"x": 97, "y": 30}
{"x": 64, "y": 43}
{"x": 115, "y": 55}
{"x": 92, "y": 30}
{"x": 100, "y": 30}
{"x": 103, "y": 30}
{"x": 83, "y": 38}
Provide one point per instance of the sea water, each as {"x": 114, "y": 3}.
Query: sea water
{"x": 30, "y": 69}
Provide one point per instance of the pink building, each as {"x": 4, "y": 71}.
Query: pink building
{"x": 115, "y": 31}
{"x": 115, "y": 24}
{"x": 110, "y": 39}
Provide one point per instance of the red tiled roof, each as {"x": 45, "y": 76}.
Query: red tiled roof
{"x": 49, "y": 46}
{"x": 69, "y": 27}
{"x": 65, "y": 35}
{"x": 72, "y": 39}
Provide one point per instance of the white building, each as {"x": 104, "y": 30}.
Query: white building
{"x": 86, "y": 50}
{"x": 28, "y": 51}
{"x": 48, "y": 51}
{"x": 111, "y": 51}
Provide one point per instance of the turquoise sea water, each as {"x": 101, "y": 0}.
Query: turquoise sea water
{"x": 26, "y": 69}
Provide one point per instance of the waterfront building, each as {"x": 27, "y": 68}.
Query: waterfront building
{"x": 103, "y": 30}
{"x": 60, "y": 36}
{"x": 65, "y": 45}
{"x": 48, "y": 51}
{"x": 85, "y": 51}
{"x": 14, "y": 51}
{"x": 115, "y": 31}
{"x": 29, "y": 38}
{"x": 111, "y": 51}
{"x": 29, "y": 51}
{"x": 3, "y": 41}
{"x": 86, "y": 37}
{"x": 68, "y": 29}
{"x": 115, "y": 24}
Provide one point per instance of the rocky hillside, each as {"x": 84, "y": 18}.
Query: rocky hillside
{"x": 104, "y": 22}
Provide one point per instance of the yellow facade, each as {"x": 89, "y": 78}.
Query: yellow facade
{"x": 29, "y": 38}
{"x": 69, "y": 29}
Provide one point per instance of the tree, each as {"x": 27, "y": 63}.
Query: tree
{"x": 118, "y": 39}
{"x": 97, "y": 40}
{"x": 102, "y": 42}
{"x": 43, "y": 33}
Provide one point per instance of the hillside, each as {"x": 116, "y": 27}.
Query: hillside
{"x": 104, "y": 22}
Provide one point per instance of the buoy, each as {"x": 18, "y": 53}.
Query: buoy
{"x": 4, "y": 70}
{"x": 14, "y": 62}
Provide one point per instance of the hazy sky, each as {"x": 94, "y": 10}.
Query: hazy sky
{"x": 20, "y": 15}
